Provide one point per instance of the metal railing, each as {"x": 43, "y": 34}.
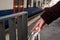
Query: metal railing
{"x": 21, "y": 26}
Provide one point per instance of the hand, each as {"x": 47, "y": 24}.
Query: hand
{"x": 39, "y": 25}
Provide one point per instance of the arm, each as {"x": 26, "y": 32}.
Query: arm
{"x": 52, "y": 13}
{"x": 48, "y": 16}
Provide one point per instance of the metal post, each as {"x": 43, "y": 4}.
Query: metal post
{"x": 22, "y": 27}
{"x": 12, "y": 29}
{"x": 2, "y": 31}
{"x": 38, "y": 36}
{"x": 19, "y": 28}
{"x": 25, "y": 27}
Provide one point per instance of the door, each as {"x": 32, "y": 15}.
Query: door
{"x": 18, "y": 6}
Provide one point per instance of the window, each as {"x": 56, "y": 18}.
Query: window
{"x": 34, "y": 3}
{"x": 28, "y": 3}
{"x": 18, "y": 5}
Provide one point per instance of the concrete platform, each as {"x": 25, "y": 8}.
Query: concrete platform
{"x": 51, "y": 32}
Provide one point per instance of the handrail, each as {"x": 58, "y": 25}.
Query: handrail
{"x": 12, "y": 15}
{"x": 21, "y": 26}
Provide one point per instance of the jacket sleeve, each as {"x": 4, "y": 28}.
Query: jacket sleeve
{"x": 51, "y": 13}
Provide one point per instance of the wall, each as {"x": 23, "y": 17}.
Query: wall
{"x": 6, "y": 4}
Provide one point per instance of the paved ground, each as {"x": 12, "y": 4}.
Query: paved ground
{"x": 51, "y": 32}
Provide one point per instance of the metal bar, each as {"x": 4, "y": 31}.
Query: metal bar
{"x": 12, "y": 29}
{"x": 12, "y": 15}
{"x": 34, "y": 35}
{"x": 38, "y": 36}
{"x": 19, "y": 28}
{"x": 2, "y": 31}
{"x": 22, "y": 27}
{"x": 25, "y": 27}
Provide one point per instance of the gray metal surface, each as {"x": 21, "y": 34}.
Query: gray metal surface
{"x": 19, "y": 21}
{"x": 25, "y": 27}
{"x": 12, "y": 29}
{"x": 38, "y": 38}
{"x": 2, "y": 31}
{"x": 19, "y": 28}
{"x": 12, "y": 16}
